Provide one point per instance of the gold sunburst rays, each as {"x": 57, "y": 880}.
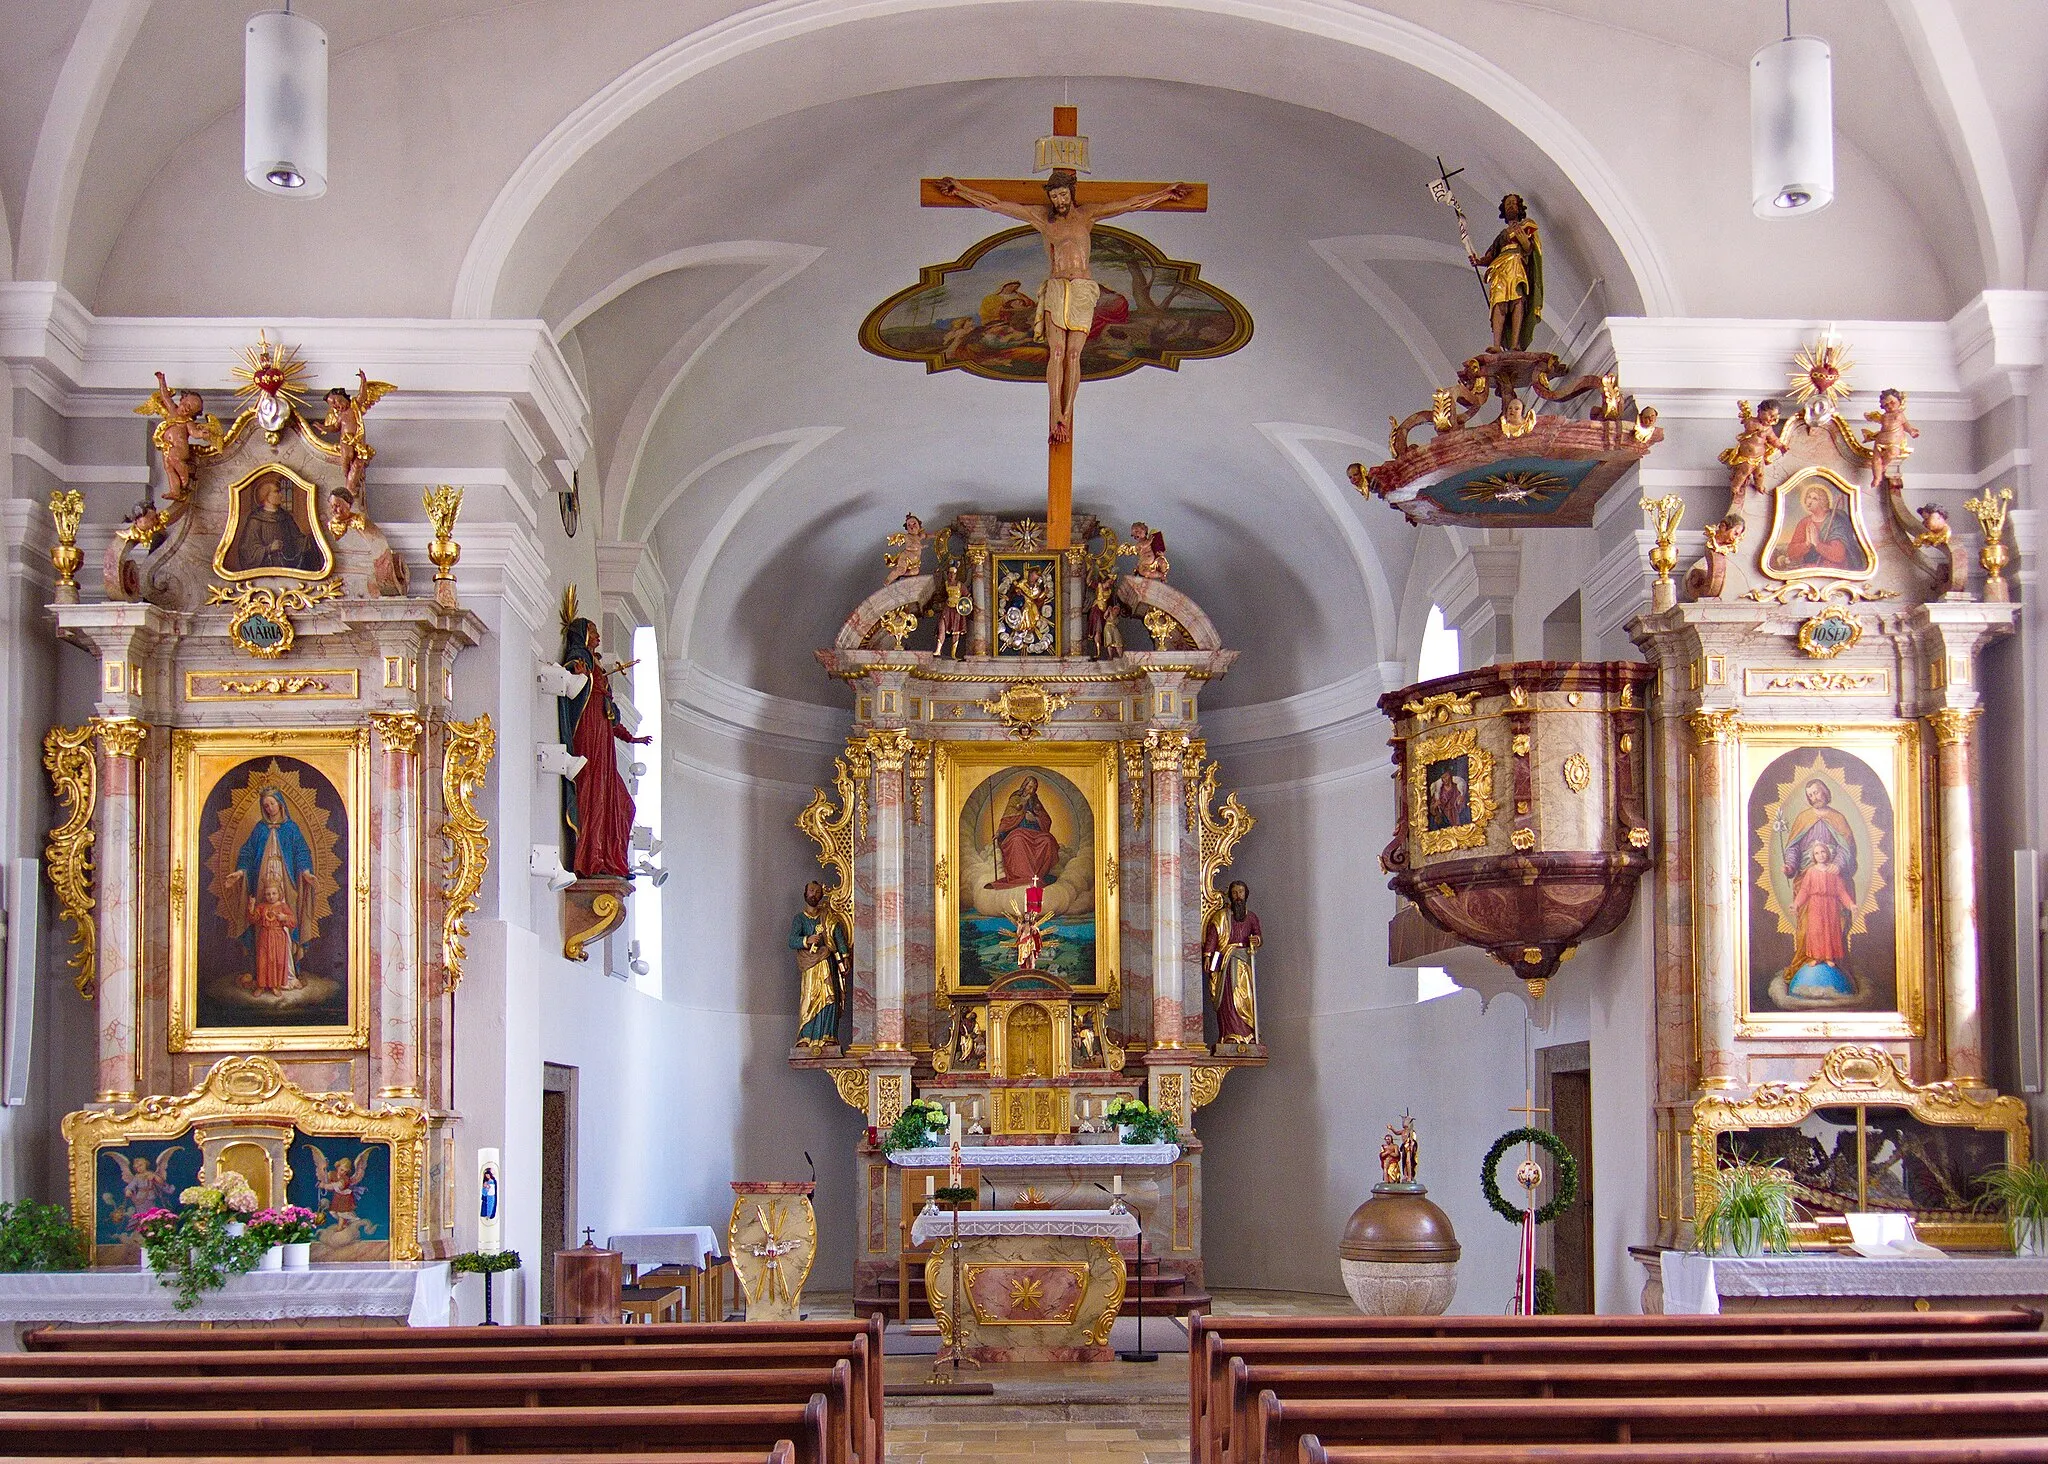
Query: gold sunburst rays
{"x": 271, "y": 369}
{"x": 1820, "y": 377}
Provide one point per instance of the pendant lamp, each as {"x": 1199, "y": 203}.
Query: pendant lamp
{"x": 1791, "y": 126}
{"x": 284, "y": 105}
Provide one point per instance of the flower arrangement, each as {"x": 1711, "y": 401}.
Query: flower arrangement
{"x": 198, "y": 1248}
{"x": 1141, "y": 1123}
{"x": 1751, "y": 1212}
{"x": 38, "y": 1237}
{"x": 2021, "y": 1190}
{"x": 921, "y": 1123}
{"x": 285, "y": 1225}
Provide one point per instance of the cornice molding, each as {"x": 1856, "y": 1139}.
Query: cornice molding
{"x": 499, "y": 560}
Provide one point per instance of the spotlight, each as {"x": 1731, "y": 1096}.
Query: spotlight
{"x": 545, "y": 862}
{"x": 1791, "y": 126}
{"x": 555, "y": 757}
{"x": 555, "y": 679}
{"x": 284, "y": 104}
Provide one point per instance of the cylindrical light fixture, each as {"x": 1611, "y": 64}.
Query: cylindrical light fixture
{"x": 284, "y": 105}
{"x": 1791, "y": 127}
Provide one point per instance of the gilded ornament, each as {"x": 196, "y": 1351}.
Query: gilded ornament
{"x": 607, "y": 913}
{"x": 1665, "y": 514}
{"x": 1109, "y": 876}
{"x": 899, "y": 625}
{"x": 1519, "y": 744}
{"x": 68, "y": 756}
{"x": 1167, "y": 748}
{"x": 399, "y": 730}
{"x": 1134, "y": 774}
{"x": 852, "y": 1083}
{"x": 262, "y": 625}
{"x": 465, "y": 762}
{"x": 1713, "y": 724}
{"x": 916, "y": 769}
{"x": 1441, "y": 747}
{"x": 889, "y": 748}
{"x": 1025, "y": 708}
{"x": 1991, "y": 510}
{"x": 1167, "y": 633}
{"x": 1639, "y": 838}
{"x": 271, "y": 686}
{"x": 1173, "y": 1097}
{"x": 1578, "y": 773}
{"x": 120, "y": 736}
{"x": 942, "y": 877}
{"x": 1440, "y": 708}
{"x": 1830, "y": 633}
{"x": 442, "y": 502}
{"x": 1204, "y": 1083}
{"x": 831, "y": 829}
{"x": 888, "y": 1098}
{"x": 1952, "y": 725}
{"x": 67, "y": 509}
{"x": 1221, "y": 831}
{"x": 1523, "y": 839}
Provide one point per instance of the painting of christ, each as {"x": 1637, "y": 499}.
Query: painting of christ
{"x": 1816, "y": 534}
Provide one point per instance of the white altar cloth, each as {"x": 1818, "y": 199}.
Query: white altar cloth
{"x": 1044, "y": 1156}
{"x": 933, "y": 1225}
{"x": 666, "y": 1245}
{"x": 1838, "y": 1275}
{"x": 416, "y": 1292}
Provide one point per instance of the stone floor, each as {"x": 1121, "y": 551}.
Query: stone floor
{"x": 1060, "y": 1413}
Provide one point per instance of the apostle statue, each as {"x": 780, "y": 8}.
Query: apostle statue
{"x": 956, "y": 611}
{"x": 1513, "y": 265}
{"x": 1230, "y": 940}
{"x": 596, "y": 806}
{"x": 823, "y": 954}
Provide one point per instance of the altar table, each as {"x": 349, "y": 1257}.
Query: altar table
{"x": 1829, "y": 1281}
{"x": 1036, "y": 1285}
{"x": 666, "y": 1245}
{"x": 412, "y": 1294}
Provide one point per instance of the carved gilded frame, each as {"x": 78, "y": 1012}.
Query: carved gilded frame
{"x": 252, "y": 1091}
{"x": 1861, "y": 1078}
{"x": 958, "y": 768}
{"x": 199, "y": 760}
{"x": 1434, "y": 747}
{"x": 317, "y": 527}
{"x": 1787, "y": 492}
{"x": 1891, "y": 750}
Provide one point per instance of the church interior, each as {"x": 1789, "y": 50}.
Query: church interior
{"x": 1031, "y": 683}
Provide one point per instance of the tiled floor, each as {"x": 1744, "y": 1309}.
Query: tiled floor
{"x": 1106, "y": 1413}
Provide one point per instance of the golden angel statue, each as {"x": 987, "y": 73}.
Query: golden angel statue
{"x": 186, "y": 433}
{"x": 1890, "y": 441}
{"x": 345, "y": 416}
{"x": 1758, "y": 442}
{"x": 907, "y": 550}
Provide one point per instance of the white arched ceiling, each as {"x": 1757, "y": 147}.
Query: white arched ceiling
{"x": 73, "y": 116}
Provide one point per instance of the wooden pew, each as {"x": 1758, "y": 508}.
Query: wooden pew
{"x": 1618, "y": 1380}
{"x": 2029, "y": 1450}
{"x": 1704, "y": 1418}
{"x": 782, "y": 1453}
{"x": 421, "y": 1389}
{"x": 862, "y": 1338}
{"x": 752, "y": 1428}
{"x": 1507, "y": 1343}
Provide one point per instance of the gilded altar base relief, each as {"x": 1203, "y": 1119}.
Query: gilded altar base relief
{"x": 1833, "y": 912}
{"x": 269, "y": 937}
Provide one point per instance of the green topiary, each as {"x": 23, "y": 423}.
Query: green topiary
{"x": 38, "y": 1237}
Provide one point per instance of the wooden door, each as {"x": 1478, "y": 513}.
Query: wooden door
{"x": 554, "y": 1189}
{"x": 1571, "y": 1101}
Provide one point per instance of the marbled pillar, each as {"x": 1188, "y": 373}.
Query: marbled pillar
{"x": 977, "y": 582}
{"x": 886, "y": 812}
{"x": 394, "y": 835}
{"x": 1717, "y": 867}
{"x": 1962, "y": 1011}
{"x": 1167, "y": 751}
{"x": 118, "y": 891}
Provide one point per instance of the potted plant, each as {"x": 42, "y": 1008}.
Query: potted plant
{"x": 921, "y": 1124}
{"x": 38, "y": 1237}
{"x": 200, "y": 1247}
{"x": 1141, "y": 1123}
{"x": 288, "y": 1230}
{"x": 1751, "y": 1211}
{"x": 2021, "y": 1190}
{"x": 485, "y": 1264}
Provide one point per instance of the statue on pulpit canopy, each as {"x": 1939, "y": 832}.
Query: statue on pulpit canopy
{"x": 824, "y": 953}
{"x": 1230, "y": 940}
{"x": 596, "y": 806}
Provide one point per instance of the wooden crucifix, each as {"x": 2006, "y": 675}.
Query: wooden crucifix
{"x": 1065, "y": 212}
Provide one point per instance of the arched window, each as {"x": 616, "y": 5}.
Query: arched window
{"x": 646, "y": 921}
{"x": 1439, "y": 655}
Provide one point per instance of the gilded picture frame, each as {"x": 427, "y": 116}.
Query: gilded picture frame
{"x": 270, "y": 890}
{"x": 1027, "y": 592}
{"x": 232, "y": 559}
{"x": 1450, "y": 792}
{"x": 1072, "y": 778}
{"x": 1836, "y": 528}
{"x": 1859, "y": 787}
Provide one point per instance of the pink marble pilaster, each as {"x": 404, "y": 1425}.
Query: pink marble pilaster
{"x": 394, "y": 840}
{"x": 1170, "y": 968}
{"x": 117, "y": 889}
{"x": 1717, "y": 906}
{"x": 886, "y": 816}
{"x": 1962, "y": 1012}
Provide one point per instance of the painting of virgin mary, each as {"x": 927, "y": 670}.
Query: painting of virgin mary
{"x": 1823, "y": 539}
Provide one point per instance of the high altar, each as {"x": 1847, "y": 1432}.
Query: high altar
{"x": 1023, "y": 845}
{"x": 270, "y": 843}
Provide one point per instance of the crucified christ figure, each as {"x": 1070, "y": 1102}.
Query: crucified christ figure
{"x": 1066, "y": 303}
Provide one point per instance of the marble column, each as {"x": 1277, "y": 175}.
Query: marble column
{"x": 1168, "y": 751}
{"x": 118, "y": 890}
{"x": 1962, "y": 1010}
{"x": 977, "y": 584}
{"x": 395, "y": 840}
{"x": 1717, "y": 866}
{"x": 887, "y": 749}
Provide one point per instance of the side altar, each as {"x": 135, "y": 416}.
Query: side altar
{"x": 1020, "y": 920}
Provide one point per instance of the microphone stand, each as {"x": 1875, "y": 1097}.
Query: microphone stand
{"x": 1138, "y": 1354}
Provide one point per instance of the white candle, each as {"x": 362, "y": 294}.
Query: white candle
{"x": 953, "y": 1128}
{"x": 931, "y": 1183}
{"x": 1116, "y": 1185}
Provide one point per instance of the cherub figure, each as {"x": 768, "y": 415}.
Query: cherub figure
{"x": 132, "y": 542}
{"x": 1754, "y": 448}
{"x": 185, "y": 433}
{"x": 1705, "y": 580}
{"x": 1935, "y": 535}
{"x": 1890, "y": 440}
{"x": 908, "y": 558}
{"x": 345, "y": 415}
{"x": 1645, "y": 425}
{"x": 1151, "y": 544}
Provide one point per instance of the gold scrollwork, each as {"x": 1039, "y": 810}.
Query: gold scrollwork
{"x": 1578, "y": 773}
{"x": 400, "y": 730}
{"x": 1134, "y": 775}
{"x": 1204, "y": 1084}
{"x": 120, "y": 736}
{"x": 465, "y": 761}
{"x": 1713, "y": 724}
{"x": 67, "y": 511}
{"x": 68, "y": 756}
{"x": 1173, "y": 1097}
{"x": 852, "y": 1083}
{"x": 942, "y": 877}
{"x": 442, "y": 502}
{"x": 1439, "y": 746}
{"x": 1829, "y": 633}
{"x": 1221, "y": 831}
{"x": 831, "y": 829}
{"x": 1168, "y": 749}
{"x": 1109, "y": 875}
{"x": 262, "y": 622}
{"x": 1440, "y": 708}
{"x": 252, "y": 1090}
{"x": 1952, "y": 725}
{"x": 607, "y": 913}
{"x": 888, "y": 1098}
{"x": 1026, "y": 708}
{"x": 916, "y": 768}
{"x": 1523, "y": 840}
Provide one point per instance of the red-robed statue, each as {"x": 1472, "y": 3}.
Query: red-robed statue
{"x": 1026, "y": 849}
{"x": 596, "y": 806}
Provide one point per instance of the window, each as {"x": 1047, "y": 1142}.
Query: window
{"x": 646, "y": 922}
{"x": 1439, "y": 653}
{"x": 1432, "y": 982}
